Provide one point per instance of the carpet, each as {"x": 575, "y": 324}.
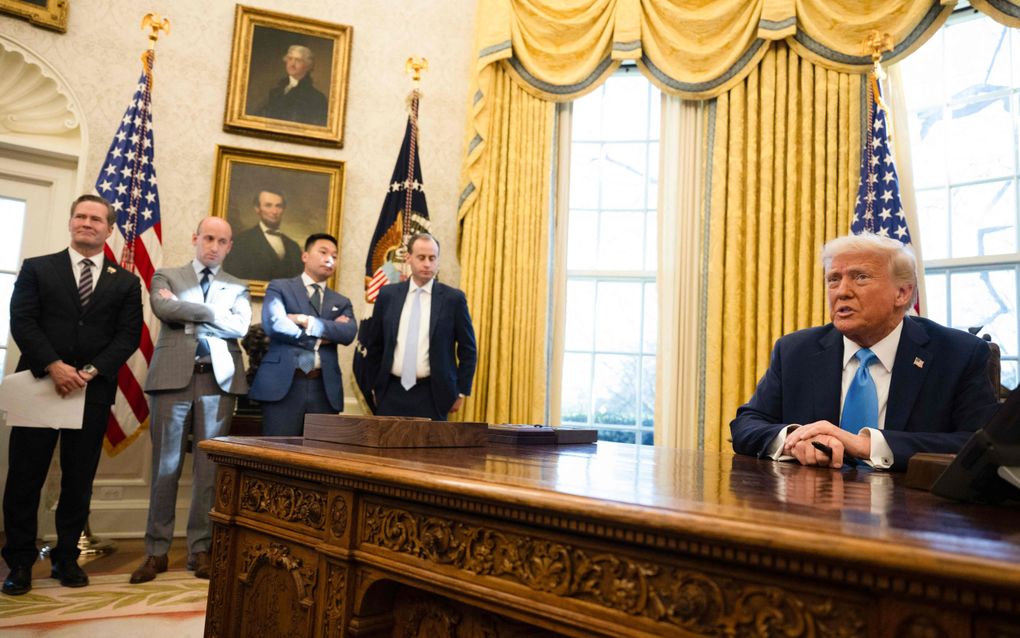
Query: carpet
{"x": 173, "y": 605}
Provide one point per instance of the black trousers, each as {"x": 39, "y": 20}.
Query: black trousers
{"x": 416, "y": 402}
{"x": 29, "y": 455}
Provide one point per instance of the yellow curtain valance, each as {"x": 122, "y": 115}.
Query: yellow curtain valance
{"x": 560, "y": 49}
{"x": 1005, "y": 12}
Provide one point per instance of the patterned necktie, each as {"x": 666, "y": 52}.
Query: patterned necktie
{"x": 316, "y": 298}
{"x": 85, "y": 282}
{"x": 409, "y": 370}
{"x": 860, "y": 408}
{"x": 203, "y": 346}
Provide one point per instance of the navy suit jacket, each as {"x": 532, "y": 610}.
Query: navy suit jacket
{"x": 938, "y": 396}
{"x": 48, "y": 322}
{"x": 287, "y": 340}
{"x": 452, "y": 351}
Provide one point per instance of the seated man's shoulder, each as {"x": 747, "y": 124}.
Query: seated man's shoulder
{"x": 951, "y": 336}
{"x": 807, "y": 337}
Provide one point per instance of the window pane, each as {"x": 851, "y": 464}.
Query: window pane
{"x": 986, "y": 299}
{"x": 983, "y": 219}
{"x": 6, "y": 290}
{"x": 625, "y": 108}
{"x": 621, "y": 240}
{"x": 580, "y": 325}
{"x": 653, "y": 177}
{"x": 650, "y": 335}
{"x": 585, "y": 175}
{"x": 3, "y": 362}
{"x": 935, "y": 293}
{"x": 576, "y": 397}
{"x": 1008, "y": 376}
{"x": 651, "y": 241}
{"x": 12, "y": 220}
{"x": 647, "y": 391}
{"x": 624, "y": 169}
{"x": 933, "y": 218}
{"x": 928, "y": 147}
{"x": 976, "y": 49}
{"x": 586, "y": 117}
{"x": 582, "y": 240}
{"x": 614, "y": 389}
{"x": 977, "y": 146}
{"x": 617, "y": 316}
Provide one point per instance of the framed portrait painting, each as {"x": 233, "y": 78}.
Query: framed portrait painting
{"x": 288, "y": 77}
{"x": 273, "y": 201}
{"x": 51, "y": 14}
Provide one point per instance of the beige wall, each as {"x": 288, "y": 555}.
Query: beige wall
{"x": 98, "y": 57}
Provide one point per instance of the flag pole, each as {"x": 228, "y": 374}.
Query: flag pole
{"x": 415, "y": 67}
{"x": 88, "y": 544}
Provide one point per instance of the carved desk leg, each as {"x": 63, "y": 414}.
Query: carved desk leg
{"x": 217, "y": 617}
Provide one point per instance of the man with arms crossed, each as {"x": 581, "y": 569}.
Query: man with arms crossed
{"x": 421, "y": 350}
{"x": 194, "y": 378}
{"x": 304, "y": 320}
{"x": 76, "y": 317}
{"x": 874, "y": 384}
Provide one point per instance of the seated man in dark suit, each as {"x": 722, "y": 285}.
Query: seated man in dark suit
{"x": 895, "y": 385}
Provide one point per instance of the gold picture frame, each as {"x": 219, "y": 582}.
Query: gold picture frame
{"x": 50, "y": 14}
{"x": 304, "y": 194}
{"x": 271, "y": 93}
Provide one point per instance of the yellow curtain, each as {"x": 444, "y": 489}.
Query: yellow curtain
{"x": 504, "y": 253}
{"x": 1005, "y": 12}
{"x": 783, "y": 166}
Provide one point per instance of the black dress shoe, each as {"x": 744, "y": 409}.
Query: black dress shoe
{"x": 19, "y": 581}
{"x": 69, "y": 574}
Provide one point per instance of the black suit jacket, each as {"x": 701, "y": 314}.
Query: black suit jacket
{"x": 452, "y": 351}
{"x": 304, "y": 103}
{"x": 48, "y": 322}
{"x": 253, "y": 258}
{"x": 938, "y": 396}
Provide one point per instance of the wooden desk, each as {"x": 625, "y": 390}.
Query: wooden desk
{"x": 314, "y": 539}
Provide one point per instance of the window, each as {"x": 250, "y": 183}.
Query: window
{"x": 12, "y": 220}
{"x": 961, "y": 94}
{"x": 608, "y": 378}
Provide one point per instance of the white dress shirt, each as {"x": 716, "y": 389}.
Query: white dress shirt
{"x": 423, "y": 369}
{"x": 881, "y": 454}
{"x": 76, "y": 259}
{"x": 274, "y": 239}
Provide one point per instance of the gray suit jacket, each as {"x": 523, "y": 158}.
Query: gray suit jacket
{"x": 222, "y": 318}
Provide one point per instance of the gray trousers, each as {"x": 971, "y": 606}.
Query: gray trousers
{"x": 203, "y": 410}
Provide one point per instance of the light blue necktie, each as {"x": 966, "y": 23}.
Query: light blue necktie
{"x": 860, "y": 409}
{"x": 306, "y": 358}
{"x": 409, "y": 371}
{"x": 203, "y": 345}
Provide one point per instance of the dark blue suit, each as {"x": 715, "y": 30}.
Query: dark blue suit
{"x": 939, "y": 393}
{"x": 275, "y": 381}
{"x": 452, "y": 350}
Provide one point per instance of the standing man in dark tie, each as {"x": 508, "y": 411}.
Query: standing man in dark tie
{"x": 194, "y": 379}
{"x": 76, "y": 318}
{"x": 304, "y": 320}
{"x": 421, "y": 348}
{"x": 263, "y": 252}
{"x": 874, "y": 384}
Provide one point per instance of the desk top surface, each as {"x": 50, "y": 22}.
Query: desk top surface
{"x": 849, "y": 514}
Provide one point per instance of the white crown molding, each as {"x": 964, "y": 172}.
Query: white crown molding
{"x": 35, "y": 99}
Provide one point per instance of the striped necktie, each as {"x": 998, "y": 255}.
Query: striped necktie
{"x": 85, "y": 282}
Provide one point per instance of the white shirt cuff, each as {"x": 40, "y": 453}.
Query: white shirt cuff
{"x": 775, "y": 449}
{"x": 881, "y": 454}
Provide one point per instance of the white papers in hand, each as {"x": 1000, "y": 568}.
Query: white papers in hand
{"x": 34, "y": 403}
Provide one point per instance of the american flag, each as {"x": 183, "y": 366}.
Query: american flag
{"x": 128, "y": 181}
{"x": 404, "y": 213}
{"x": 878, "y": 208}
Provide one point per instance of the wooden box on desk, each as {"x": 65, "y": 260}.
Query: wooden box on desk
{"x": 393, "y": 432}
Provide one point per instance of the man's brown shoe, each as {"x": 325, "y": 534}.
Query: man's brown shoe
{"x": 199, "y": 561}
{"x": 147, "y": 571}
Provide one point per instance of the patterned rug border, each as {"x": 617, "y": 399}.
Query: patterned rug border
{"x": 107, "y": 596}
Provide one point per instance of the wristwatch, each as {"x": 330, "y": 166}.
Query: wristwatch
{"x": 88, "y": 368}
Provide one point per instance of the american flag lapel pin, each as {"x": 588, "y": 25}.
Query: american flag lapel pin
{"x": 919, "y": 362}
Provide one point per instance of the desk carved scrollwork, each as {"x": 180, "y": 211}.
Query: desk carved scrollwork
{"x": 696, "y": 601}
